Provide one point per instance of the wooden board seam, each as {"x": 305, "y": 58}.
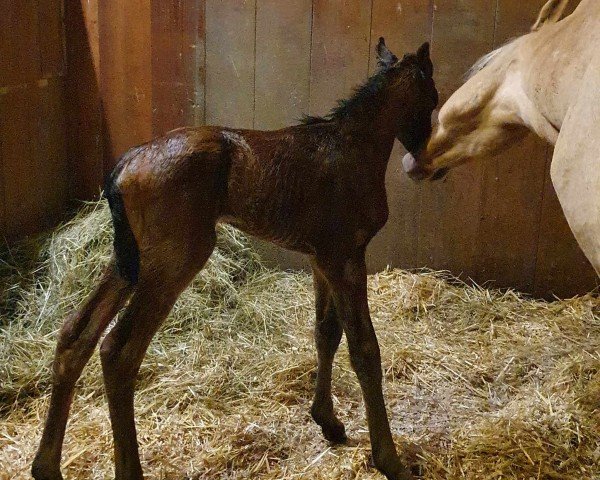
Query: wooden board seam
{"x": 41, "y": 83}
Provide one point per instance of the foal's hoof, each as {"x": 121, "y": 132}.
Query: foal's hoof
{"x": 334, "y": 432}
{"x": 399, "y": 474}
{"x": 394, "y": 469}
{"x": 39, "y": 471}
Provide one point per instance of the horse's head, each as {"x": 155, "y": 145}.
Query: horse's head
{"x": 487, "y": 114}
{"x": 411, "y": 86}
{"x": 478, "y": 120}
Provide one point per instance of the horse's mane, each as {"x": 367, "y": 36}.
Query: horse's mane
{"x": 487, "y": 59}
{"x": 361, "y": 94}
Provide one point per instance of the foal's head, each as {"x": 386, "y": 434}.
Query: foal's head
{"x": 398, "y": 99}
{"x": 410, "y": 94}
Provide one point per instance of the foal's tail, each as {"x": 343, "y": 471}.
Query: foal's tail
{"x": 127, "y": 253}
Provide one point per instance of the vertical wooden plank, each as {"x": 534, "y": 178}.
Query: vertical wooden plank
{"x": 512, "y": 192}
{"x": 126, "y": 78}
{"x": 19, "y": 65}
{"x": 19, "y": 34}
{"x": 339, "y": 52}
{"x": 512, "y": 188}
{"x": 230, "y": 48}
{"x": 405, "y": 26}
{"x": 463, "y": 30}
{"x": 3, "y": 224}
{"x": 515, "y": 18}
{"x": 84, "y": 114}
{"x": 50, "y": 154}
{"x": 89, "y": 10}
{"x": 177, "y": 60}
{"x": 51, "y": 38}
{"x": 283, "y": 43}
{"x": 18, "y": 132}
{"x": 33, "y": 156}
{"x": 32, "y": 127}
{"x": 562, "y": 269}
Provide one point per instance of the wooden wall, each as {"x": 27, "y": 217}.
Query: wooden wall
{"x": 137, "y": 69}
{"x": 33, "y": 161}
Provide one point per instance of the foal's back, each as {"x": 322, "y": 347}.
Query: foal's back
{"x": 297, "y": 187}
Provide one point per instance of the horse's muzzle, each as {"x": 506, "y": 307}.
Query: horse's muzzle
{"x": 418, "y": 172}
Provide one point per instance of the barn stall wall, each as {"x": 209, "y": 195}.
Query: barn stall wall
{"x": 33, "y": 173}
{"x": 137, "y": 69}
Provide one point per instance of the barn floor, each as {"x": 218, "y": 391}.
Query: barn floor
{"x": 479, "y": 384}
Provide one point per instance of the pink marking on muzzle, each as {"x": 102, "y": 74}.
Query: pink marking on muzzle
{"x": 409, "y": 163}
{"x": 413, "y": 169}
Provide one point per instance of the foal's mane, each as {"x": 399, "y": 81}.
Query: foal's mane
{"x": 487, "y": 59}
{"x": 361, "y": 94}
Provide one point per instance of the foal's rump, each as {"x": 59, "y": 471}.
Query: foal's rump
{"x": 172, "y": 189}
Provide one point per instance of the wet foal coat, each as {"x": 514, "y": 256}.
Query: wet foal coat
{"x": 317, "y": 188}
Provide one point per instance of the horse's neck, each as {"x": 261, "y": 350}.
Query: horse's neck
{"x": 587, "y": 7}
{"x": 554, "y": 60}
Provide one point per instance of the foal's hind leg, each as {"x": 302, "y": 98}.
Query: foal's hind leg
{"x": 123, "y": 349}
{"x": 76, "y": 341}
{"x": 328, "y": 333}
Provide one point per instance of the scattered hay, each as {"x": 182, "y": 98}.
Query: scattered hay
{"x": 486, "y": 385}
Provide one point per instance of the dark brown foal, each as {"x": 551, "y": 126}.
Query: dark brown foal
{"x": 317, "y": 188}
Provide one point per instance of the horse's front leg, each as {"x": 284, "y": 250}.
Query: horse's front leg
{"x": 347, "y": 279}
{"x": 328, "y": 333}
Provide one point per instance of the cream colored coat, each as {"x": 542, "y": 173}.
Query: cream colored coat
{"x": 547, "y": 81}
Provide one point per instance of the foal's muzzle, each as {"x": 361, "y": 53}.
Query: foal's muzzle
{"x": 414, "y": 170}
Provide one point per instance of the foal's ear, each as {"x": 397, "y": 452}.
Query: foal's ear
{"x": 550, "y": 13}
{"x": 385, "y": 58}
{"x": 425, "y": 60}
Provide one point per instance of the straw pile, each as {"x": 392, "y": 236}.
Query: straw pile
{"x": 480, "y": 384}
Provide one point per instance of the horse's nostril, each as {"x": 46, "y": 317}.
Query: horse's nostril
{"x": 439, "y": 174}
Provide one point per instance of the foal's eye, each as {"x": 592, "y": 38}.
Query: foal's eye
{"x": 419, "y": 74}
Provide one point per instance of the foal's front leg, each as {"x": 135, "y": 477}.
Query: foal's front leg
{"x": 328, "y": 333}
{"x": 348, "y": 282}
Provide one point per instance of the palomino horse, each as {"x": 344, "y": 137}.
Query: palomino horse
{"x": 547, "y": 81}
{"x": 317, "y": 188}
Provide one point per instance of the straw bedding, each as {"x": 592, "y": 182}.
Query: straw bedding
{"x": 479, "y": 384}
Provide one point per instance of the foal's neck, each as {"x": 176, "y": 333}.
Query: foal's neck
{"x": 369, "y": 118}
{"x": 374, "y": 126}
